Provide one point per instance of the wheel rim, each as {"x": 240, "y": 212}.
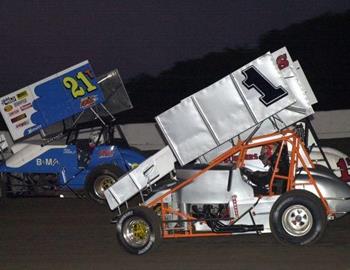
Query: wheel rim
{"x": 102, "y": 183}
{"x": 297, "y": 220}
{"x": 136, "y": 232}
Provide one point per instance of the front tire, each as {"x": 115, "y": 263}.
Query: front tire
{"x": 100, "y": 179}
{"x": 139, "y": 230}
{"x": 298, "y": 217}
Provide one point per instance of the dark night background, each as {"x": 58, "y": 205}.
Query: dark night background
{"x": 166, "y": 50}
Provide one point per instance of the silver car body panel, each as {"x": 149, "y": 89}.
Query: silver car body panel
{"x": 222, "y": 111}
{"x": 212, "y": 188}
{"x": 335, "y": 191}
{"x": 298, "y": 85}
{"x": 145, "y": 175}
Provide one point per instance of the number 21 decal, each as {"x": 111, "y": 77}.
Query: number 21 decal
{"x": 269, "y": 93}
{"x": 73, "y": 84}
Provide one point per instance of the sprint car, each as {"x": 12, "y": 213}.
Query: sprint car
{"x": 68, "y": 157}
{"x": 252, "y": 107}
{"x": 220, "y": 199}
{"x": 90, "y": 160}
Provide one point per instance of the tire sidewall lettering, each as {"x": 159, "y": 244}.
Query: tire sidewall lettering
{"x": 123, "y": 218}
{"x": 147, "y": 247}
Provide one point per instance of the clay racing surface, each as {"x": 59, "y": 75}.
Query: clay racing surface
{"x": 53, "y": 233}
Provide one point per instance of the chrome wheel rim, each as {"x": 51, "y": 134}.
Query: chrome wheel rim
{"x": 102, "y": 183}
{"x": 136, "y": 232}
{"x": 297, "y": 220}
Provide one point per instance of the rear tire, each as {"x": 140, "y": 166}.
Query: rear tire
{"x": 100, "y": 179}
{"x": 139, "y": 230}
{"x": 298, "y": 218}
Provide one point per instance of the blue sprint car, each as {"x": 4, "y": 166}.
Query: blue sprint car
{"x": 91, "y": 163}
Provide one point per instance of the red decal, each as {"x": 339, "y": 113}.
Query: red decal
{"x": 247, "y": 157}
{"x": 235, "y": 212}
{"x": 26, "y": 106}
{"x": 18, "y": 118}
{"x": 89, "y": 73}
{"x": 105, "y": 153}
{"x": 282, "y": 61}
{"x": 235, "y": 206}
{"x": 22, "y": 124}
{"x": 87, "y": 102}
{"x": 343, "y": 166}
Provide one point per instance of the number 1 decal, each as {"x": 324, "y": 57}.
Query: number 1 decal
{"x": 269, "y": 93}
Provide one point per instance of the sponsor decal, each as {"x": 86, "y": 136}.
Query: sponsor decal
{"x": 247, "y": 157}
{"x": 26, "y": 106}
{"x": 147, "y": 247}
{"x": 235, "y": 205}
{"x": 87, "y": 102}
{"x": 105, "y": 153}
{"x": 282, "y": 61}
{"x": 233, "y": 208}
{"x": 22, "y": 95}
{"x": 8, "y": 108}
{"x": 8, "y": 100}
{"x": 33, "y": 129}
{"x": 18, "y": 118}
{"x": 20, "y": 102}
{"x": 343, "y": 164}
{"x": 47, "y": 162}
{"x": 22, "y": 124}
{"x": 13, "y": 113}
{"x": 68, "y": 151}
{"x": 125, "y": 216}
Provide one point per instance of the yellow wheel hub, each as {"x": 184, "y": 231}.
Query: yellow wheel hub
{"x": 137, "y": 232}
{"x": 140, "y": 230}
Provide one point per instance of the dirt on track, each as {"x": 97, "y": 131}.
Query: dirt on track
{"x": 53, "y": 233}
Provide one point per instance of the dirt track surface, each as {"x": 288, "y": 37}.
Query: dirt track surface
{"x": 53, "y": 233}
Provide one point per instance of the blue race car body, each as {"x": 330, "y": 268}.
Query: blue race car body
{"x": 36, "y": 168}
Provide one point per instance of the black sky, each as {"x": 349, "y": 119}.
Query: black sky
{"x": 39, "y": 38}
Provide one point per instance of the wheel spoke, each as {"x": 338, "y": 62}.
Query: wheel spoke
{"x": 136, "y": 232}
{"x": 102, "y": 183}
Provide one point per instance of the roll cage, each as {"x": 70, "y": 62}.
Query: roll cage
{"x": 299, "y": 160}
